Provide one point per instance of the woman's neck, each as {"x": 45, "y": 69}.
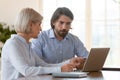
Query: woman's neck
{"x": 25, "y": 36}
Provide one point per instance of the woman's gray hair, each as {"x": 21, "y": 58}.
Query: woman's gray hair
{"x": 25, "y": 18}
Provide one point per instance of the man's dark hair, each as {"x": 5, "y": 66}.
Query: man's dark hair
{"x": 61, "y": 11}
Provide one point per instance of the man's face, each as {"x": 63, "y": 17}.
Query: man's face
{"x": 62, "y": 26}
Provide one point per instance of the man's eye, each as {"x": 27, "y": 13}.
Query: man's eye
{"x": 61, "y": 22}
{"x": 69, "y": 23}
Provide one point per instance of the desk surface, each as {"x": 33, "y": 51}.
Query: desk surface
{"x": 101, "y": 75}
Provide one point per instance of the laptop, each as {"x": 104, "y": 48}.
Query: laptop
{"x": 94, "y": 62}
{"x": 96, "y": 59}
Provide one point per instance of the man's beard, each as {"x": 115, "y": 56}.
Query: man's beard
{"x": 62, "y": 33}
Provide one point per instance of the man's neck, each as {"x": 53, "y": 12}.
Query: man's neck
{"x": 57, "y": 36}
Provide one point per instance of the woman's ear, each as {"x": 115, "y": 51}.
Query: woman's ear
{"x": 29, "y": 29}
{"x": 31, "y": 24}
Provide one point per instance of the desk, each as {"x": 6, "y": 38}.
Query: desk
{"x": 101, "y": 75}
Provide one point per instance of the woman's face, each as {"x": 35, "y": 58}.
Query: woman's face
{"x": 35, "y": 29}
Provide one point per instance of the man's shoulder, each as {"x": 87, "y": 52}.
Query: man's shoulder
{"x": 70, "y": 35}
{"x": 46, "y": 31}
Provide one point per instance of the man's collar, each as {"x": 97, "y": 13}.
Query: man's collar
{"x": 52, "y": 35}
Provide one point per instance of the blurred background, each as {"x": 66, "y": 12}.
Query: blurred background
{"x": 96, "y": 22}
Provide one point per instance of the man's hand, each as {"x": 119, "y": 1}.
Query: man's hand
{"x": 78, "y": 62}
{"x": 67, "y": 67}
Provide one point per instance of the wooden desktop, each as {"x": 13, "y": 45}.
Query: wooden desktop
{"x": 100, "y": 75}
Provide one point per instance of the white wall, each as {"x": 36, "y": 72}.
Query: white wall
{"x": 10, "y": 8}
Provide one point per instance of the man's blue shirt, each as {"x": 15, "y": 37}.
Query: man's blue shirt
{"x": 54, "y": 51}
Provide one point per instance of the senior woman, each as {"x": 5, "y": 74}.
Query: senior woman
{"x": 18, "y": 59}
